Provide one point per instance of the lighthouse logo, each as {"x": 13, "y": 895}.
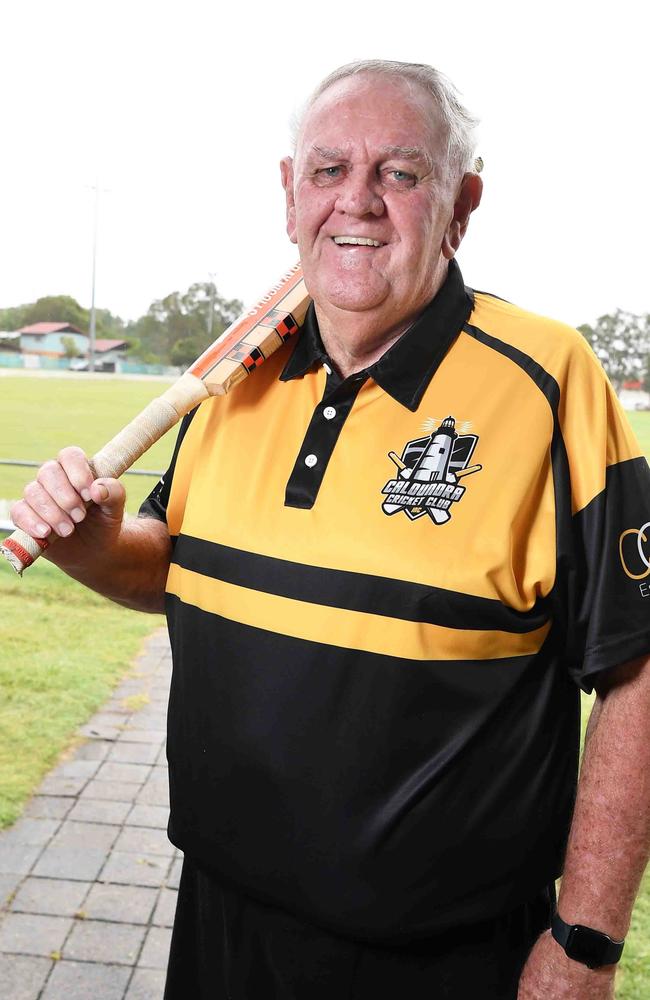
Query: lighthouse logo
{"x": 429, "y": 474}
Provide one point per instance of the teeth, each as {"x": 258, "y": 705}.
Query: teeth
{"x": 359, "y": 241}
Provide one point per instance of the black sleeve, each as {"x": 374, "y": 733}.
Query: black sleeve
{"x": 612, "y": 572}
{"x": 155, "y": 504}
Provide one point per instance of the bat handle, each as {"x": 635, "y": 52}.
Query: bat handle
{"x": 21, "y": 550}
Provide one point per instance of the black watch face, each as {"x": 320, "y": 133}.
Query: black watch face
{"x": 587, "y": 946}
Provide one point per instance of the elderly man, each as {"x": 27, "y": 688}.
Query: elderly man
{"x": 396, "y": 553}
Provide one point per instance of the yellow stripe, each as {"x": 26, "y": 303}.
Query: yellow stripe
{"x": 347, "y": 629}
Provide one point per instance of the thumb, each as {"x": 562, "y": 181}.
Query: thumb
{"x": 110, "y": 496}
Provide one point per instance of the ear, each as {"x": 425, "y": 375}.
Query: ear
{"x": 286, "y": 172}
{"x": 467, "y": 199}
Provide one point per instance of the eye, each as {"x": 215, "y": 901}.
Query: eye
{"x": 325, "y": 175}
{"x": 400, "y": 178}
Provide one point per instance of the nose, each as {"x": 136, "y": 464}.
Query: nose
{"x": 360, "y": 195}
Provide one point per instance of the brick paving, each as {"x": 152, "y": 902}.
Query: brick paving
{"x": 88, "y": 878}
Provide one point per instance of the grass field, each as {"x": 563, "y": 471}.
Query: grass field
{"x": 73, "y": 646}
{"x": 55, "y": 670}
{"x": 641, "y": 424}
{"x": 42, "y": 415}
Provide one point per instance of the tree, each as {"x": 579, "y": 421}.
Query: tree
{"x": 185, "y": 351}
{"x": 61, "y": 309}
{"x": 70, "y": 348}
{"x": 622, "y": 342}
{"x": 178, "y": 324}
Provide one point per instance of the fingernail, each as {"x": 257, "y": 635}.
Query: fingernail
{"x": 77, "y": 514}
{"x": 42, "y": 529}
{"x": 64, "y": 530}
{"x": 104, "y": 491}
{"x": 85, "y": 495}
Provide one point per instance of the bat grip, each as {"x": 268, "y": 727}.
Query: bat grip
{"x": 21, "y": 550}
{"x": 133, "y": 440}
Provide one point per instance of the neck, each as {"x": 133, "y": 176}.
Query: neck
{"x": 355, "y": 340}
{"x": 353, "y": 345}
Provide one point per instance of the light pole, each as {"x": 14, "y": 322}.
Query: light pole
{"x": 91, "y": 339}
{"x": 93, "y": 318}
{"x": 212, "y": 275}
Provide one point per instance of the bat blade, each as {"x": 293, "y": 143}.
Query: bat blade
{"x": 242, "y": 348}
{"x": 253, "y": 337}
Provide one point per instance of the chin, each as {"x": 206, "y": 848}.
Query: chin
{"x": 352, "y": 294}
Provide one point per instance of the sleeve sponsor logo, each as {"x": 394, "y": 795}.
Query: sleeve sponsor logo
{"x": 634, "y": 550}
{"x": 429, "y": 472}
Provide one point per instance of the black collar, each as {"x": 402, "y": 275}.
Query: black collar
{"x": 407, "y": 367}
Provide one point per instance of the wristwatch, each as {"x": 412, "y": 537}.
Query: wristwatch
{"x": 584, "y": 944}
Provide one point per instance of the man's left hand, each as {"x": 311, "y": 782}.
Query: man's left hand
{"x": 549, "y": 974}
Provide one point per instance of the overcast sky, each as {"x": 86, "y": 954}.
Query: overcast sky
{"x": 181, "y": 111}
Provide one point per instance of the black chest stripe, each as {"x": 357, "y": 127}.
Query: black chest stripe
{"x": 354, "y": 591}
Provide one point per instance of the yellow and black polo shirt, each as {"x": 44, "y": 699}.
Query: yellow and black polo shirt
{"x": 383, "y": 591}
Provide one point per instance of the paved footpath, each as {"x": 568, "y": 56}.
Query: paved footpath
{"x": 88, "y": 878}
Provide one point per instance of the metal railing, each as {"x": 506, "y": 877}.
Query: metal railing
{"x": 37, "y": 465}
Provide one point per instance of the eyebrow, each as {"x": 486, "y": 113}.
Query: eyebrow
{"x": 326, "y": 153}
{"x": 409, "y": 153}
{"x": 401, "y": 152}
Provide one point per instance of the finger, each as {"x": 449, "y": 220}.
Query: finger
{"x": 75, "y": 464}
{"x": 47, "y": 510}
{"x": 110, "y": 497}
{"x": 53, "y": 479}
{"x": 24, "y": 517}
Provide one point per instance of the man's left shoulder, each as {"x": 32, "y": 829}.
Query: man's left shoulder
{"x": 552, "y": 344}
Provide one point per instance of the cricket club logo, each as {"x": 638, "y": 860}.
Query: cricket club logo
{"x": 429, "y": 473}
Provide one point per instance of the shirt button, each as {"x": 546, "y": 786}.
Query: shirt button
{"x": 329, "y": 412}
{"x": 310, "y": 461}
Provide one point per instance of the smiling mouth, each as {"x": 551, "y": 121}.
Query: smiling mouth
{"x": 357, "y": 241}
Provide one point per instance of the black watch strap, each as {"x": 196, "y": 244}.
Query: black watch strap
{"x": 584, "y": 944}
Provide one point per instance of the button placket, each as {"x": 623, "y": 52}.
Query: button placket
{"x": 321, "y": 437}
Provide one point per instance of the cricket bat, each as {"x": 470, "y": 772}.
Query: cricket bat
{"x": 242, "y": 348}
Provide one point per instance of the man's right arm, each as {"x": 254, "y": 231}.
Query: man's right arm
{"x": 125, "y": 559}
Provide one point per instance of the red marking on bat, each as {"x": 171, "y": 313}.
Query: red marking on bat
{"x": 19, "y": 552}
{"x": 253, "y": 362}
{"x": 287, "y": 327}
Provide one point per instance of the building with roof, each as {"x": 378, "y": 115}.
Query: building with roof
{"x": 109, "y": 355}
{"x": 633, "y": 396}
{"x": 48, "y": 340}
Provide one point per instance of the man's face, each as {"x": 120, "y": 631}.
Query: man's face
{"x": 371, "y": 165}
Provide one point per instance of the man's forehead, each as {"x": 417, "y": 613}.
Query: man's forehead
{"x": 408, "y": 116}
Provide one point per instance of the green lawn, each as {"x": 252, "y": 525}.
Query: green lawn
{"x": 42, "y": 415}
{"x": 62, "y": 650}
{"x": 641, "y": 423}
{"x": 72, "y": 646}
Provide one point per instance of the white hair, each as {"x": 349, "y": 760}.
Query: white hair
{"x": 459, "y": 122}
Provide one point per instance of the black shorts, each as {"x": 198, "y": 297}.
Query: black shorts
{"x": 226, "y": 946}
